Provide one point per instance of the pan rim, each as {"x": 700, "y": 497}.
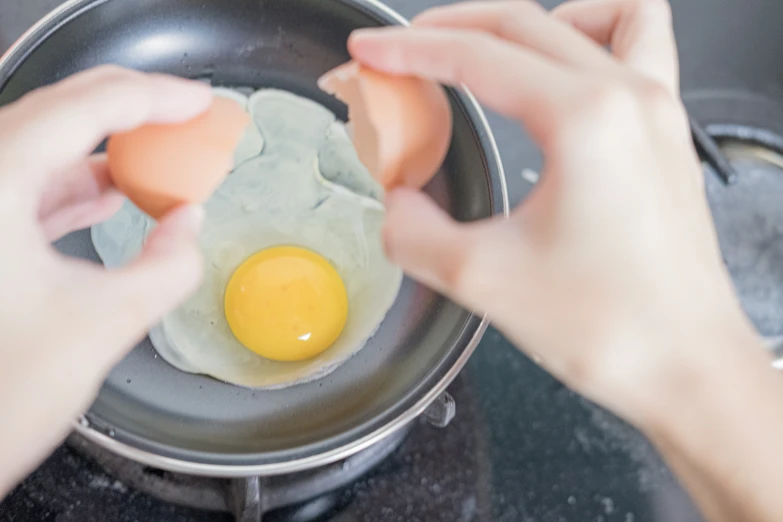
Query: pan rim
{"x": 84, "y": 427}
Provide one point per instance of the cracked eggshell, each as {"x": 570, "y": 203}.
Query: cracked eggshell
{"x": 401, "y": 125}
{"x": 162, "y": 166}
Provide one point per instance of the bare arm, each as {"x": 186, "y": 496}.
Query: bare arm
{"x": 719, "y": 431}
{"x": 610, "y": 272}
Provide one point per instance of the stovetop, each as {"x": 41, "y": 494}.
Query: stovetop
{"x": 522, "y": 447}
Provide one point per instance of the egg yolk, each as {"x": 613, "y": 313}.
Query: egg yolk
{"x": 286, "y": 303}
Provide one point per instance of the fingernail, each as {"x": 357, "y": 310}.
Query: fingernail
{"x": 360, "y": 35}
{"x": 188, "y": 220}
{"x": 376, "y": 48}
{"x": 195, "y": 220}
{"x": 390, "y": 198}
{"x": 187, "y": 98}
{"x": 195, "y": 87}
{"x": 387, "y": 242}
{"x": 360, "y": 41}
{"x": 171, "y": 86}
{"x": 395, "y": 195}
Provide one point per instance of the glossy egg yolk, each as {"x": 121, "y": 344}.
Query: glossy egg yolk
{"x": 286, "y": 303}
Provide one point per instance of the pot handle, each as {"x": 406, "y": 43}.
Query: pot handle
{"x": 246, "y": 499}
{"x": 441, "y": 411}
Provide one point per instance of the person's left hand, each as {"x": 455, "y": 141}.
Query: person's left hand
{"x": 66, "y": 322}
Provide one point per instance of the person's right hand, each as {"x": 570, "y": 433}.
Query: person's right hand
{"x": 610, "y": 272}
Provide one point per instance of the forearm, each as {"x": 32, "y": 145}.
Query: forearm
{"x": 35, "y": 422}
{"x": 721, "y": 432}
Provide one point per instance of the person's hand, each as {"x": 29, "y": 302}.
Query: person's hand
{"x": 66, "y": 322}
{"x": 609, "y": 273}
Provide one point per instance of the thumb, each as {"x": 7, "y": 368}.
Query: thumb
{"x": 168, "y": 270}
{"x": 466, "y": 262}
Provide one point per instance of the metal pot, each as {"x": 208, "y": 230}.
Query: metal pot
{"x": 150, "y": 412}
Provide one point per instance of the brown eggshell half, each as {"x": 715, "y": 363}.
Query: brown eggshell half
{"x": 160, "y": 167}
{"x": 401, "y": 125}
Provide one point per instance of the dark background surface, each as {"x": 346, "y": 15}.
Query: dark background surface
{"x": 523, "y": 448}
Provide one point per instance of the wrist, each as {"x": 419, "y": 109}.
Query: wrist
{"x": 720, "y": 378}
{"x": 686, "y": 363}
{"x": 718, "y": 426}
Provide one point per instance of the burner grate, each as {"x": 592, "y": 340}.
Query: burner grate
{"x": 249, "y": 499}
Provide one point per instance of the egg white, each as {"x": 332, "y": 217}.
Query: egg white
{"x": 296, "y": 181}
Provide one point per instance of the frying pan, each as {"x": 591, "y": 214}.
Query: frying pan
{"x": 150, "y": 412}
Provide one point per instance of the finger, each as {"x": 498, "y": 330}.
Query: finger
{"x": 79, "y": 198}
{"x": 87, "y": 181}
{"x": 82, "y": 215}
{"x": 640, "y": 33}
{"x": 509, "y": 79}
{"x": 523, "y": 22}
{"x": 466, "y": 262}
{"x": 135, "y": 297}
{"x": 72, "y": 117}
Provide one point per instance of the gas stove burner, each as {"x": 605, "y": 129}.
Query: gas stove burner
{"x": 299, "y": 497}
{"x": 294, "y": 497}
{"x": 437, "y": 474}
{"x": 749, "y": 219}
